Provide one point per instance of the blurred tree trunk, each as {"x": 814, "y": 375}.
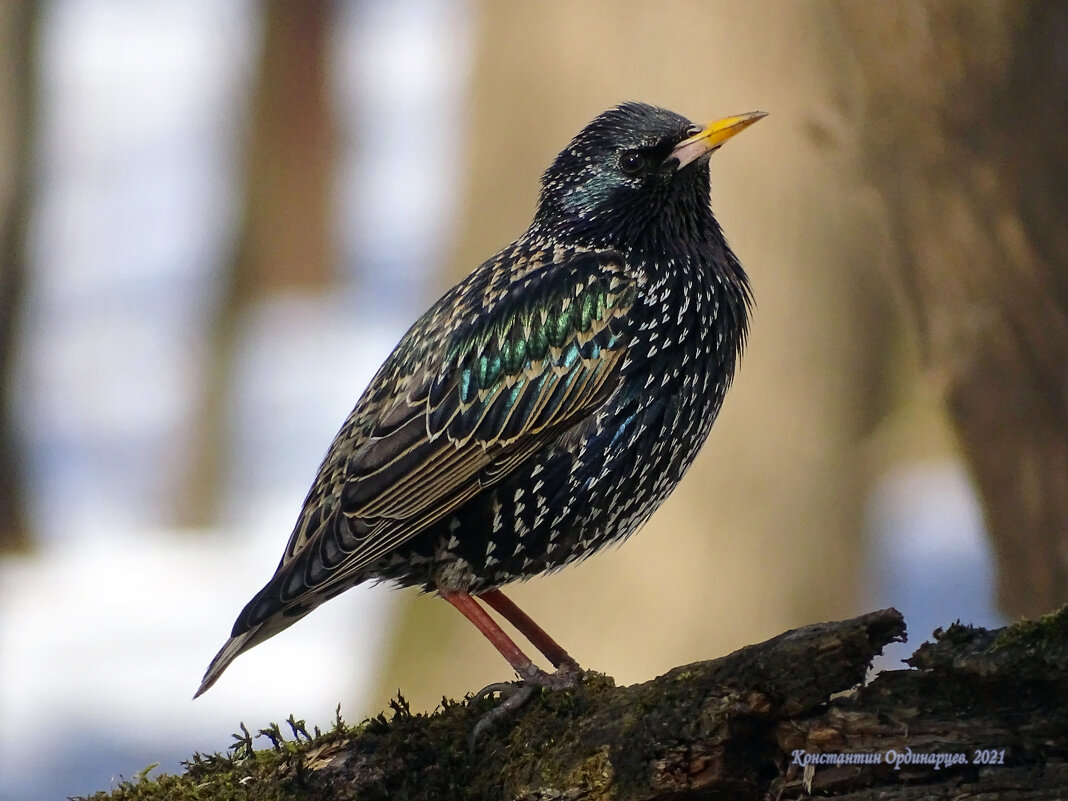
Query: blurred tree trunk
{"x": 284, "y": 242}
{"x": 18, "y": 87}
{"x": 977, "y": 94}
{"x": 763, "y": 533}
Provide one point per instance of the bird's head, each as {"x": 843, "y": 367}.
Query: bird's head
{"x": 636, "y": 175}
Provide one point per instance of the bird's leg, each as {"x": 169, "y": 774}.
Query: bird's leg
{"x": 514, "y": 695}
{"x": 538, "y": 637}
{"x": 519, "y": 661}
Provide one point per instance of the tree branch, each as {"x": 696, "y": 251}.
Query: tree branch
{"x": 978, "y": 712}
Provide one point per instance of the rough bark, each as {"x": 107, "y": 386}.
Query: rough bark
{"x": 743, "y": 726}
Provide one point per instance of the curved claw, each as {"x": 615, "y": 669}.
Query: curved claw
{"x": 505, "y": 688}
{"x": 512, "y": 702}
{"x": 516, "y": 694}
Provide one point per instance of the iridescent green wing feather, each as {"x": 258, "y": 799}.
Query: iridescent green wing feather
{"x": 492, "y": 373}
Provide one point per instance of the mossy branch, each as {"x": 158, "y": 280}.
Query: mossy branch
{"x": 978, "y": 712}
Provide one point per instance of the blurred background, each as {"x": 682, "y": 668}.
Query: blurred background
{"x": 216, "y": 219}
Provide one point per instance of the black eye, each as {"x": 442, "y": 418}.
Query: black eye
{"x": 631, "y": 162}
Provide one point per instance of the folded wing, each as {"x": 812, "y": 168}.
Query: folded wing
{"x": 480, "y": 383}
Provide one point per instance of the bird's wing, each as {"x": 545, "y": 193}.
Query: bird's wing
{"x": 451, "y": 413}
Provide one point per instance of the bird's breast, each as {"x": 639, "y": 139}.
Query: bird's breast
{"x": 602, "y": 479}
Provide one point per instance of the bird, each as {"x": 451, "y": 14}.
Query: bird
{"x": 545, "y": 406}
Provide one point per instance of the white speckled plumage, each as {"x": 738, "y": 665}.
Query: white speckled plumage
{"x": 546, "y": 405}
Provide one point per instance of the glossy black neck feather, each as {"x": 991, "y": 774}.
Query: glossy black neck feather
{"x": 667, "y": 224}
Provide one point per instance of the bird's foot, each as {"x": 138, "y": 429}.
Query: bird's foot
{"x": 515, "y": 694}
{"x": 566, "y": 676}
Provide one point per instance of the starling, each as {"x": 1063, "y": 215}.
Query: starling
{"x": 545, "y": 406}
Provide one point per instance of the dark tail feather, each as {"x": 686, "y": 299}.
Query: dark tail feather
{"x": 235, "y": 646}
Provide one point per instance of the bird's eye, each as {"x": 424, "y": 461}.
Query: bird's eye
{"x": 631, "y": 162}
{"x": 693, "y": 130}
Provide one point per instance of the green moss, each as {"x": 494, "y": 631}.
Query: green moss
{"x": 592, "y": 778}
{"x": 244, "y": 773}
{"x": 1038, "y": 637}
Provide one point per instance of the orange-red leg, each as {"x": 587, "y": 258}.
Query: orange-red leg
{"x": 567, "y": 674}
{"x": 470, "y": 609}
{"x": 528, "y": 628}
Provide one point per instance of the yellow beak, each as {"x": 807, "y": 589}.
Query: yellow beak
{"x": 713, "y": 136}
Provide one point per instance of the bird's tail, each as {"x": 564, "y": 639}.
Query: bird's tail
{"x": 237, "y": 645}
{"x": 222, "y": 660}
